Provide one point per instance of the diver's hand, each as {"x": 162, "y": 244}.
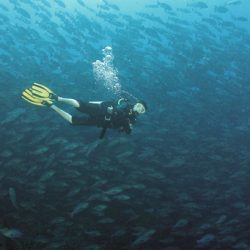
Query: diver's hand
{"x": 128, "y": 129}
{"x": 110, "y": 110}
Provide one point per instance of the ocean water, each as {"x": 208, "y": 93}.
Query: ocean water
{"x": 180, "y": 180}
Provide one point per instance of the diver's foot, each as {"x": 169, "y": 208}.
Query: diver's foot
{"x": 53, "y": 97}
{"x": 47, "y": 103}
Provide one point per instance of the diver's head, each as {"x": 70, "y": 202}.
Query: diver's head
{"x": 140, "y": 107}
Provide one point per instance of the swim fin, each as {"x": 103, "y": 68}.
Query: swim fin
{"x": 41, "y": 91}
{"x": 28, "y": 96}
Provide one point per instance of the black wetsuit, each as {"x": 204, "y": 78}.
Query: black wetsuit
{"x": 121, "y": 117}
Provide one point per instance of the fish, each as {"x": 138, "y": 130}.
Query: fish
{"x": 164, "y": 6}
{"x": 60, "y": 3}
{"x": 3, "y": 19}
{"x": 200, "y": 5}
{"x": 46, "y": 3}
{"x": 180, "y": 223}
{"x": 22, "y": 12}
{"x": 114, "y": 191}
{"x": 122, "y": 197}
{"x": 110, "y": 6}
{"x": 58, "y": 220}
{"x": 3, "y": 7}
{"x": 221, "y": 9}
{"x": 143, "y": 237}
{"x": 6, "y": 153}
{"x": 74, "y": 191}
{"x": 106, "y": 221}
{"x": 26, "y": 1}
{"x": 93, "y": 233}
{"x": 233, "y": 2}
{"x": 55, "y": 245}
{"x": 14, "y": 2}
{"x": 221, "y": 220}
{"x": 14, "y": 115}
{"x": 12, "y": 196}
{"x": 151, "y": 6}
{"x": 81, "y": 3}
{"x": 11, "y": 233}
{"x": 47, "y": 175}
{"x": 79, "y": 208}
{"x": 100, "y": 208}
{"x": 241, "y": 19}
{"x": 205, "y": 240}
{"x": 2, "y": 175}
{"x": 40, "y": 150}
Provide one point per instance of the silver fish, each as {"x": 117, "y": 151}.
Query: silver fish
{"x": 11, "y": 233}
{"x": 79, "y": 208}
{"x": 12, "y": 196}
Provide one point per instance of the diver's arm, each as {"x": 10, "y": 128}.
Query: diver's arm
{"x": 69, "y": 101}
{"x": 62, "y": 113}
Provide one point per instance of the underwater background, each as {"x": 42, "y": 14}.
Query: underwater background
{"x": 181, "y": 179}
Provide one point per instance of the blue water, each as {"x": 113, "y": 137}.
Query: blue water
{"x": 180, "y": 180}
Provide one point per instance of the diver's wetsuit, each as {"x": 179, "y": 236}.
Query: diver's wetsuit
{"x": 121, "y": 117}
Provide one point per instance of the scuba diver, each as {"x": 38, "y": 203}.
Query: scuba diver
{"x": 120, "y": 114}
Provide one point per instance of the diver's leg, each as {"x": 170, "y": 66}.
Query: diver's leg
{"x": 62, "y": 113}
{"x": 87, "y": 121}
{"x": 69, "y": 101}
{"x": 91, "y": 108}
{"x": 84, "y": 107}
